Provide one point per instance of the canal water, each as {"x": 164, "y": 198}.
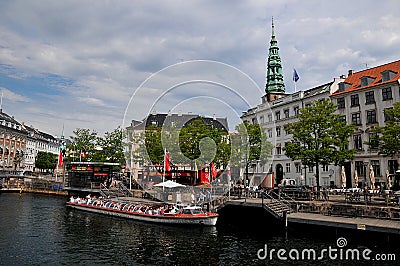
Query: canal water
{"x": 41, "y": 230}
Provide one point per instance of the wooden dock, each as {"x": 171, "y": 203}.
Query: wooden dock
{"x": 353, "y": 223}
{"x": 380, "y": 225}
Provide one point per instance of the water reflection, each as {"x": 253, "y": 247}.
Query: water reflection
{"x": 40, "y": 230}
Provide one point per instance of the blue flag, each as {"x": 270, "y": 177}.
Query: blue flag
{"x": 295, "y": 75}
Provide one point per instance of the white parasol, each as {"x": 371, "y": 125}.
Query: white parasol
{"x": 388, "y": 179}
{"x": 372, "y": 177}
{"x": 343, "y": 175}
{"x": 169, "y": 184}
{"x": 355, "y": 179}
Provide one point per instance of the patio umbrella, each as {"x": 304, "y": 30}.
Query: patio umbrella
{"x": 343, "y": 174}
{"x": 388, "y": 179}
{"x": 372, "y": 176}
{"x": 169, "y": 184}
{"x": 355, "y": 179}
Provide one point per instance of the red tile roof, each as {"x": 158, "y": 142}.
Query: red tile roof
{"x": 375, "y": 73}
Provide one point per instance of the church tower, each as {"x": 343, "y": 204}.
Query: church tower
{"x": 275, "y": 86}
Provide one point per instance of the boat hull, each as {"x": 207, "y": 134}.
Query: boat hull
{"x": 208, "y": 219}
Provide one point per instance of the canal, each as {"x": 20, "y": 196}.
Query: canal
{"x": 40, "y": 230}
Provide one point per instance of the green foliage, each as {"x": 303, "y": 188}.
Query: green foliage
{"x": 84, "y": 141}
{"x": 45, "y": 160}
{"x": 109, "y": 148}
{"x": 153, "y": 145}
{"x": 320, "y": 137}
{"x": 250, "y": 145}
{"x": 195, "y": 141}
{"x": 387, "y": 138}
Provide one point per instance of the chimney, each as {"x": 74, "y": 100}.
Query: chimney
{"x": 350, "y": 72}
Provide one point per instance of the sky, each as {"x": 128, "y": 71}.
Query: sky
{"x": 99, "y": 64}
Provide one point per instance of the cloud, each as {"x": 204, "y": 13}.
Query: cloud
{"x": 84, "y": 60}
{"x": 13, "y": 97}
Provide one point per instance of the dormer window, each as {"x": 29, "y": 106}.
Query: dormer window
{"x": 343, "y": 86}
{"x": 387, "y": 75}
{"x": 365, "y": 81}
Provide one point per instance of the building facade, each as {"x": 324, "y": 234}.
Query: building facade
{"x": 362, "y": 97}
{"x": 13, "y": 138}
{"x": 154, "y": 119}
{"x": 38, "y": 141}
{"x": 278, "y": 109}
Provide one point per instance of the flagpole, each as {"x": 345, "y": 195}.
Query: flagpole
{"x": 165, "y": 165}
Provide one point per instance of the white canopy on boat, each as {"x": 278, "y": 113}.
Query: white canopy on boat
{"x": 169, "y": 184}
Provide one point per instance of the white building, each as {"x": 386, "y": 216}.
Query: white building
{"x": 362, "y": 98}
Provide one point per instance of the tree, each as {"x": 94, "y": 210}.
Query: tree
{"x": 387, "y": 138}
{"x": 195, "y": 141}
{"x": 83, "y": 141}
{"x": 250, "y": 145}
{"x": 320, "y": 137}
{"x": 111, "y": 147}
{"x": 45, "y": 160}
{"x": 201, "y": 142}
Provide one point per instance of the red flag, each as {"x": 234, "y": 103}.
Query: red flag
{"x": 60, "y": 161}
{"x": 213, "y": 170}
{"x": 167, "y": 163}
{"x": 83, "y": 154}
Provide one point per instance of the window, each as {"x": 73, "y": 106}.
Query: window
{"x": 388, "y": 75}
{"x": 357, "y": 142}
{"x": 278, "y": 131}
{"x": 386, "y": 94}
{"x": 343, "y": 86}
{"x": 365, "y": 81}
{"x": 278, "y": 115}
{"x": 386, "y": 116}
{"x": 371, "y": 116}
{"x": 269, "y": 118}
{"x": 286, "y": 113}
{"x": 341, "y": 104}
{"x": 376, "y": 166}
{"x": 311, "y": 169}
{"x": 360, "y": 168}
{"x": 278, "y": 150}
{"x": 354, "y": 100}
{"x": 385, "y": 76}
{"x": 287, "y": 167}
{"x": 356, "y": 118}
{"x": 286, "y": 131}
{"x": 325, "y": 168}
{"x": 393, "y": 166}
{"x": 369, "y": 97}
{"x": 262, "y": 119}
{"x": 296, "y": 110}
{"x": 269, "y": 133}
{"x": 373, "y": 140}
{"x": 298, "y": 167}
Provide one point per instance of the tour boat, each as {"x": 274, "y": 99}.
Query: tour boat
{"x": 160, "y": 213}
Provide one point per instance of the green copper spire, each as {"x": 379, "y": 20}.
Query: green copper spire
{"x": 275, "y": 82}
